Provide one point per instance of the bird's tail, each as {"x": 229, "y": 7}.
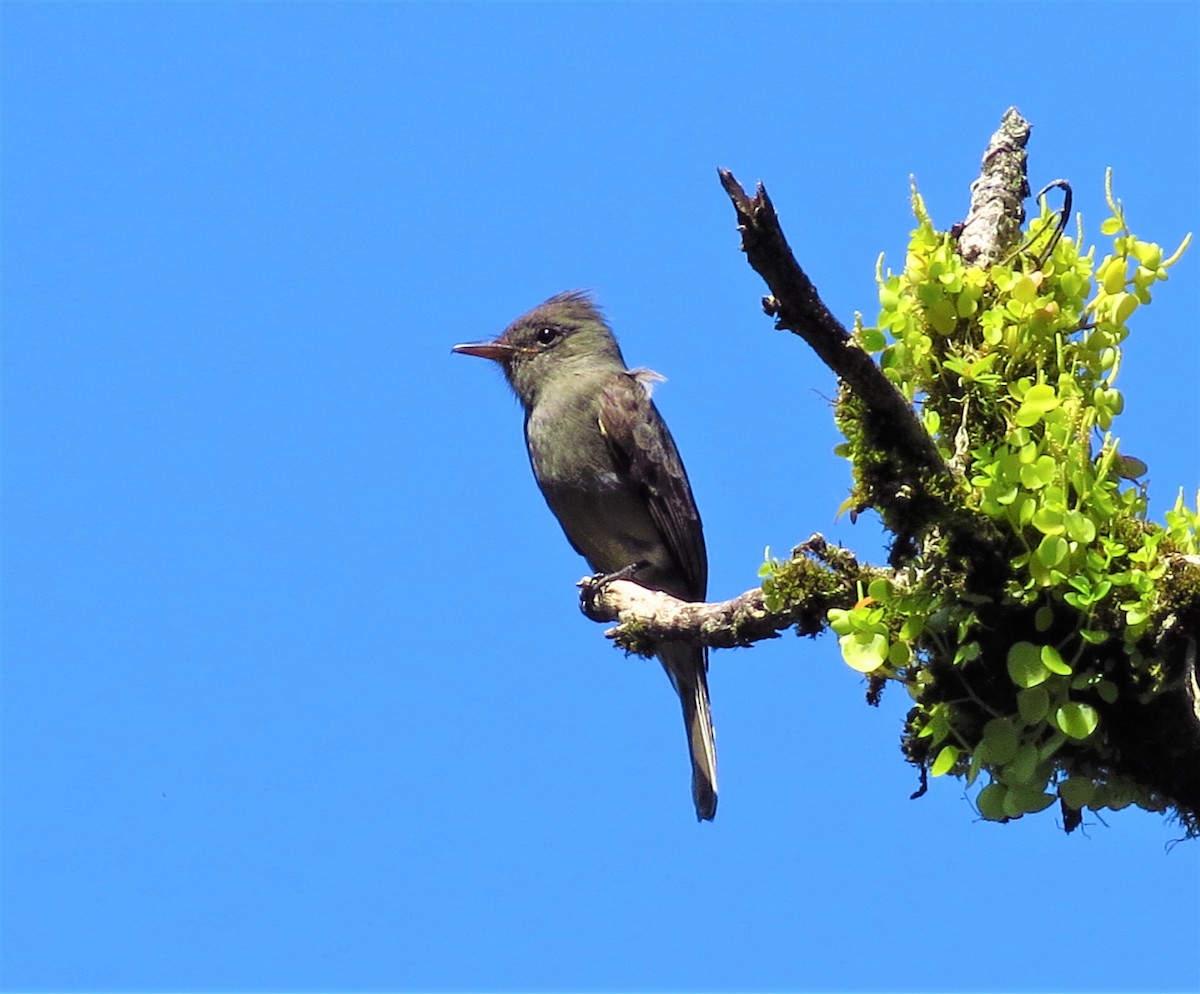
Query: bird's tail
{"x": 687, "y": 667}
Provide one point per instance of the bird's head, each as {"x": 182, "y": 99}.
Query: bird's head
{"x": 566, "y": 336}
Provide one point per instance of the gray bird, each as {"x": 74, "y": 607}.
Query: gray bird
{"x": 609, "y": 469}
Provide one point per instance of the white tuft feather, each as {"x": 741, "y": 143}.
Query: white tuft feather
{"x": 646, "y": 379}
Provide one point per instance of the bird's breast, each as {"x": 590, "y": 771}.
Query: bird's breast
{"x": 603, "y": 515}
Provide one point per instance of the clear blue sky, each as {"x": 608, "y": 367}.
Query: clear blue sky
{"x": 295, "y": 691}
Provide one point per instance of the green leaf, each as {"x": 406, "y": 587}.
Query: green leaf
{"x": 992, "y": 323}
{"x": 1080, "y": 528}
{"x": 1147, "y": 253}
{"x": 1077, "y": 720}
{"x": 1023, "y": 508}
{"x": 1039, "y": 400}
{"x": 840, "y": 621}
{"x": 880, "y": 589}
{"x": 1113, "y": 275}
{"x": 1041, "y": 397}
{"x": 941, "y": 316}
{"x": 973, "y": 768}
{"x": 1136, "y": 614}
{"x": 1052, "y": 550}
{"x": 938, "y": 726}
{"x": 864, "y": 651}
{"x": 1024, "y": 290}
{"x": 1025, "y": 665}
{"x": 1000, "y": 741}
{"x": 1026, "y": 800}
{"x": 967, "y": 653}
{"x": 1048, "y": 520}
{"x": 1108, "y": 691}
{"x": 1023, "y": 767}
{"x": 873, "y": 340}
{"x": 1124, "y": 306}
{"x": 945, "y": 761}
{"x": 991, "y": 802}
{"x": 1039, "y": 473}
{"x": 1076, "y": 792}
{"x": 1033, "y": 704}
{"x": 1053, "y": 661}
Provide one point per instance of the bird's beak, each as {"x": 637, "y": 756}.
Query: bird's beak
{"x": 496, "y": 351}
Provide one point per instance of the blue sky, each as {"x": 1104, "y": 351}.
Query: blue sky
{"x": 295, "y": 690}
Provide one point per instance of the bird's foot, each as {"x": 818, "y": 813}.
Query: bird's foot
{"x": 591, "y": 586}
{"x": 624, "y": 573}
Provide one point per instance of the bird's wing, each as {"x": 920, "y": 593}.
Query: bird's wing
{"x": 639, "y": 440}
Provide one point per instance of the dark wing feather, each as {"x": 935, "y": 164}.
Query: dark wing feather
{"x": 640, "y": 441}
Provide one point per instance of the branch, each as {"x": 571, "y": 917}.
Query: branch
{"x": 993, "y": 224}
{"x": 823, "y": 576}
{"x": 648, "y": 617}
{"x": 912, "y": 488}
{"x": 798, "y": 308}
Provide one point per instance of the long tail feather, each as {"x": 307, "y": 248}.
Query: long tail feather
{"x": 686, "y": 666}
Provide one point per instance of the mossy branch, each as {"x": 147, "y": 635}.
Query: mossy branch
{"x": 798, "y": 595}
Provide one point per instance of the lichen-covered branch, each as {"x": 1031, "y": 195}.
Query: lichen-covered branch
{"x": 649, "y": 617}
{"x": 799, "y": 595}
{"x": 993, "y": 224}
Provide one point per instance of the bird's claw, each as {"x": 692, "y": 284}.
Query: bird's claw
{"x": 624, "y": 573}
{"x": 591, "y": 586}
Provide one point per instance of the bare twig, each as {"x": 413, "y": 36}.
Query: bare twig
{"x": 798, "y": 308}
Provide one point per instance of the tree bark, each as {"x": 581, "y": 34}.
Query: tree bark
{"x": 993, "y": 224}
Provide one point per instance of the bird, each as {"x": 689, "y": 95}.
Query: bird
{"x": 610, "y": 472}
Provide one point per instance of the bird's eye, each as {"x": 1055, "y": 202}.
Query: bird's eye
{"x": 547, "y": 336}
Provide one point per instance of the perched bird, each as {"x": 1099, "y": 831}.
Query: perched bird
{"x": 609, "y": 469}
